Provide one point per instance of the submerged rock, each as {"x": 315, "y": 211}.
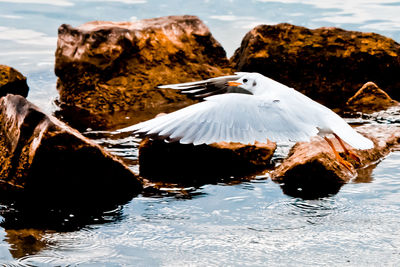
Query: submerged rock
{"x": 12, "y": 82}
{"x": 327, "y": 64}
{"x": 311, "y": 169}
{"x": 107, "y": 70}
{"x": 370, "y": 98}
{"x": 43, "y": 160}
{"x": 191, "y": 164}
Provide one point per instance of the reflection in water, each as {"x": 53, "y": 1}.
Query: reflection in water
{"x": 27, "y": 226}
{"x": 25, "y": 242}
{"x": 314, "y": 189}
{"x": 364, "y": 175}
{"x": 25, "y": 216}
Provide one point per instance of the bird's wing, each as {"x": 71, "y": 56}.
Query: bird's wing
{"x": 325, "y": 119}
{"x": 205, "y": 88}
{"x": 230, "y": 118}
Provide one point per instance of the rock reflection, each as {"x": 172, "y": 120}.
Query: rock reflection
{"x": 25, "y": 216}
{"x": 178, "y": 191}
{"x": 25, "y": 225}
{"x": 364, "y": 175}
{"x": 310, "y": 189}
{"x": 25, "y": 242}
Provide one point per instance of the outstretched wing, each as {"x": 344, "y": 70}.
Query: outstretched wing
{"x": 205, "y": 88}
{"x": 230, "y": 118}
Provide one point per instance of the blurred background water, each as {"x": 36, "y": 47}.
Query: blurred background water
{"x": 242, "y": 224}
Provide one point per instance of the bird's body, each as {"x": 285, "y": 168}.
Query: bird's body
{"x": 259, "y": 109}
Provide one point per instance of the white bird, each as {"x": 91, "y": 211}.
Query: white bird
{"x": 251, "y": 108}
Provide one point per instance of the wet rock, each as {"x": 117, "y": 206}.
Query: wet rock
{"x": 12, "y": 82}
{"x": 107, "y": 71}
{"x": 189, "y": 164}
{"x": 311, "y": 169}
{"x": 43, "y": 160}
{"x": 327, "y": 64}
{"x": 370, "y": 98}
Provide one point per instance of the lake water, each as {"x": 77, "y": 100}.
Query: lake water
{"x": 252, "y": 223}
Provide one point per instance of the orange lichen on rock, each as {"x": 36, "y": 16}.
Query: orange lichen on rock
{"x": 370, "y": 98}
{"x": 12, "y": 82}
{"x": 107, "y": 68}
{"x": 327, "y": 64}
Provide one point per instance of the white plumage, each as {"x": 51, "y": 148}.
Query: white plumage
{"x": 259, "y": 109}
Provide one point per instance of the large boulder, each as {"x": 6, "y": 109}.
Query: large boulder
{"x": 311, "y": 169}
{"x": 370, "y": 98}
{"x": 327, "y": 64}
{"x": 12, "y": 82}
{"x": 108, "y": 71}
{"x": 189, "y": 164}
{"x": 43, "y": 160}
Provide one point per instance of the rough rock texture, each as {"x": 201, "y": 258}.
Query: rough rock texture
{"x": 12, "y": 82}
{"x": 370, "y": 98}
{"x": 42, "y": 159}
{"x": 311, "y": 169}
{"x": 107, "y": 68}
{"x": 327, "y": 64}
{"x": 190, "y": 164}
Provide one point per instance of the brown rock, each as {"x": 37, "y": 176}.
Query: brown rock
{"x": 327, "y": 64}
{"x": 12, "y": 82}
{"x": 370, "y": 98}
{"x": 311, "y": 169}
{"x": 42, "y": 159}
{"x": 111, "y": 68}
{"x": 190, "y": 164}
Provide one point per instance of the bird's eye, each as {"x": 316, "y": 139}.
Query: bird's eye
{"x": 254, "y": 83}
{"x": 245, "y": 80}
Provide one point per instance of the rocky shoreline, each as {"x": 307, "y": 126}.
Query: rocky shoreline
{"x": 107, "y": 77}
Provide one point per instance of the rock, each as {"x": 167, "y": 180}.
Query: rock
{"x": 189, "y": 164}
{"x": 43, "y": 160}
{"x": 12, "y": 82}
{"x": 370, "y": 98}
{"x": 327, "y": 64}
{"x": 311, "y": 169}
{"x": 108, "y": 71}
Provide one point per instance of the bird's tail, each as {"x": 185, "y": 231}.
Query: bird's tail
{"x": 355, "y": 139}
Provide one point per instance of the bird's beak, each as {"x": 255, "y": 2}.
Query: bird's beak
{"x": 234, "y": 83}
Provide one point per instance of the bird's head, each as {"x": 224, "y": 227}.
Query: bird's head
{"x": 249, "y": 82}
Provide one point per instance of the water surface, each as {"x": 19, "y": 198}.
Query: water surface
{"x": 249, "y": 224}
